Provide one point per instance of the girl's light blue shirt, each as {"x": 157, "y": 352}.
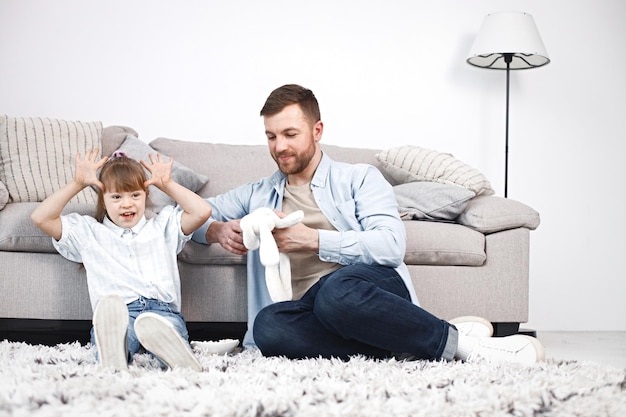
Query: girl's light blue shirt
{"x": 144, "y": 264}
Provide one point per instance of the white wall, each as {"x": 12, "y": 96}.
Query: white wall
{"x": 386, "y": 73}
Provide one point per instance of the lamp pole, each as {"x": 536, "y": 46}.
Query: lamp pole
{"x": 508, "y": 58}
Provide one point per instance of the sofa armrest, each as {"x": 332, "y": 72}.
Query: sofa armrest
{"x": 490, "y": 214}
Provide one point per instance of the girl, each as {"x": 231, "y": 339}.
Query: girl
{"x": 132, "y": 273}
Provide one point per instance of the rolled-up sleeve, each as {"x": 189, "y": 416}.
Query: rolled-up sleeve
{"x": 365, "y": 214}
{"x": 73, "y": 226}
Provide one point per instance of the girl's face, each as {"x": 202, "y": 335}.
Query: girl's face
{"x": 125, "y": 209}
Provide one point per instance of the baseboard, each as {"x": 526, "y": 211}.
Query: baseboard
{"x": 53, "y": 332}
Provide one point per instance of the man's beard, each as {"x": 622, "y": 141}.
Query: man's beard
{"x": 299, "y": 162}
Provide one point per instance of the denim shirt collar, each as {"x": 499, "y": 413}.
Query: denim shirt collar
{"x": 320, "y": 177}
{"x": 321, "y": 173}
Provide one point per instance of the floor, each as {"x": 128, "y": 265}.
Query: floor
{"x": 608, "y": 348}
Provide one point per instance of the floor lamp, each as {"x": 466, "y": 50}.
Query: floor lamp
{"x": 508, "y": 41}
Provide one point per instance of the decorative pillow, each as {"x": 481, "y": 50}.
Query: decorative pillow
{"x": 431, "y": 200}
{"x": 412, "y": 163}
{"x": 138, "y": 150}
{"x": 37, "y": 155}
{"x": 490, "y": 214}
{"x": 4, "y": 195}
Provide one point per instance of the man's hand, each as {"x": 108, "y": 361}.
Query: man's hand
{"x": 296, "y": 238}
{"x": 227, "y": 234}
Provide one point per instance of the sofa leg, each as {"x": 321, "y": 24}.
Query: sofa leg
{"x": 505, "y": 329}
{"x": 528, "y": 332}
{"x": 508, "y": 329}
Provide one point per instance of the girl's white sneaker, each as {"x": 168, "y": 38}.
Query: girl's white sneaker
{"x": 110, "y": 324}
{"x": 158, "y": 335}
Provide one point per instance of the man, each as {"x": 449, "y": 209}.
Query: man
{"x": 352, "y": 292}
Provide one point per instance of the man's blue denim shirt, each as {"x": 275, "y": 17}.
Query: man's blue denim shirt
{"x": 358, "y": 202}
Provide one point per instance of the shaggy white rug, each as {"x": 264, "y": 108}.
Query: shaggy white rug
{"x": 65, "y": 380}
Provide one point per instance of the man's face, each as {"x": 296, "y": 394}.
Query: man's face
{"x": 292, "y": 140}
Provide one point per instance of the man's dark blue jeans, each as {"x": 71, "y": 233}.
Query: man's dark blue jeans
{"x": 356, "y": 310}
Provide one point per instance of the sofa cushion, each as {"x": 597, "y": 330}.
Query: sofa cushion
{"x": 351, "y": 155}
{"x": 431, "y": 201}
{"x": 138, "y": 150}
{"x": 226, "y": 166}
{"x": 241, "y": 164}
{"x": 428, "y": 243}
{"x": 19, "y": 234}
{"x": 436, "y": 243}
{"x": 489, "y": 214}
{"x": 412, "y": 163}
{"x": 4, "y": 195}
{"x": 37, "y": 155}
{"x": 199, "y": 254}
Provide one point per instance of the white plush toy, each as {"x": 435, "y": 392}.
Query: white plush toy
{"x": 257, "y": 233}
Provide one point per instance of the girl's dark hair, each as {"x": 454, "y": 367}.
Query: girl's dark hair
{"x": 292, "y": 94}
{"x": 121, "y": 174}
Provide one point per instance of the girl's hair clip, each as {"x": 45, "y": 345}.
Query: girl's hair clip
{"x": 118, "y": 154}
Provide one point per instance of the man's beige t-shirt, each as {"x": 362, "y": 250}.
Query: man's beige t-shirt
{"x": 306, "y": 267}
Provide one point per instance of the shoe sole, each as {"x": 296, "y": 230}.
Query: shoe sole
{"x": 473, "y": 319}
{"x": 159, "y": 336}
{"x": 110, "y": 322}
{"x": 541, "y": 352}
{"x": 484, "y": 352}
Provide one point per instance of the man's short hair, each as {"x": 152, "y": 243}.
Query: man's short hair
{"x": 292, "y": 94}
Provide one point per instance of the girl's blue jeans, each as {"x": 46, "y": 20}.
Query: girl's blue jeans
{"x": 356, "y": 310}
{"x": 143, "y": 305}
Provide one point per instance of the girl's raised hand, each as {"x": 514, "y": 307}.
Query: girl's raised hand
{"x": 160, "y": 171}
{"x": 87, "y": 169}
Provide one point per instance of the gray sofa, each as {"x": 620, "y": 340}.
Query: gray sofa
{"x": 477, "y": 264}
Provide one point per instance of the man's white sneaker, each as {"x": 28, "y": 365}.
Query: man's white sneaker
{"x": 516, "y": 348}
{"x": 473, "y": 326}
{"x": 110, "y": 323}
{"x": 159, "y": 336}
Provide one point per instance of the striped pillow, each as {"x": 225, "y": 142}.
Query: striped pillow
{"x": 4, "y": 195}
{"x": 37, "y": 156}
{"x": 412, "y": 163}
